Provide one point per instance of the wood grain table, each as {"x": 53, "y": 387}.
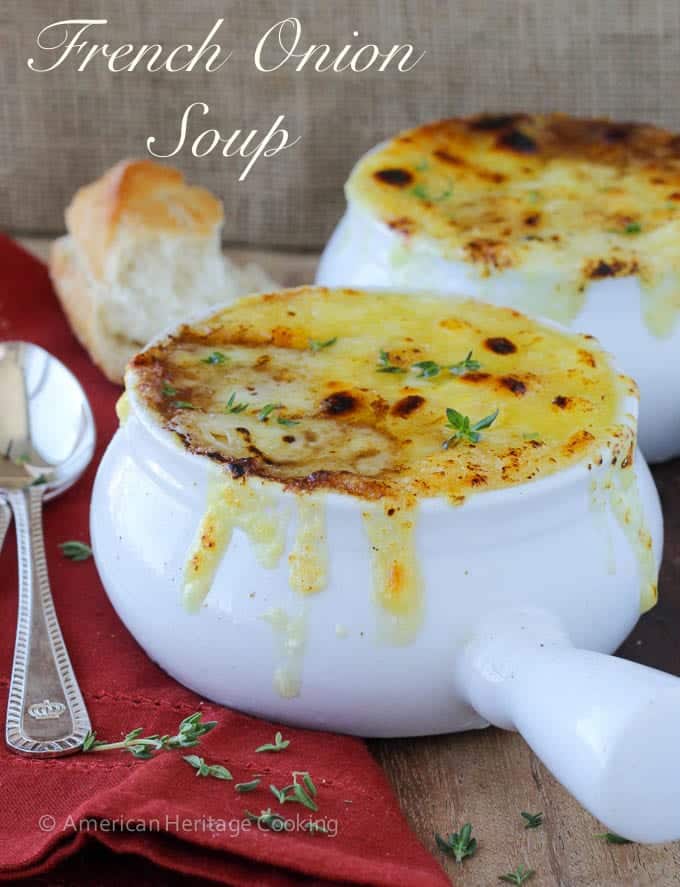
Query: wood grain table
{"x": 487, "y": 777}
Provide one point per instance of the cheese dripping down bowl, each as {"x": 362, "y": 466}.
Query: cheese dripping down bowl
{"x": 361, "y": 512}
{"x": 572, "y": 219}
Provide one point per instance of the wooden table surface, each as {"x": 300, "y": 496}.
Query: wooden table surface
{"x": 487, "y": 777}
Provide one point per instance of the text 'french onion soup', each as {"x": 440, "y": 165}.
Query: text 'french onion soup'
{"x": 387, "y": 401}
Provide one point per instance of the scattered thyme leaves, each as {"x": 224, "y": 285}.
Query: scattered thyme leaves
{"x": 267, "y": 410}
{"x": 279, "y": 744}
{"x": 613, "y": 838}
{"x": 234, "y": 407}
{"x": 315, "y": 345}
{"x": 217, "y": 771}
{"x": 215, "y": 358}
{"x": 459, "y": 845}
{"x": 384, "y": 365}
{"x": 243, "y": 787}
{"x": 167, "y": 390}
{"x": 182, "y": 405}
{"x": 532, "y": 820}
{"x": 75, "y": 551}
{"x": 519, "y": 876}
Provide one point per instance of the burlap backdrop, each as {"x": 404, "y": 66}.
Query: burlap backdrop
{"x": 61, "y": 129}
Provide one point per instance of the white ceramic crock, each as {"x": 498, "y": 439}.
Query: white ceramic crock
{"x": 363, "y": 252}
{"x": 525, "y": 590}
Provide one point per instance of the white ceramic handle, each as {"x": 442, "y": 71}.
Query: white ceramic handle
{"x": 608, "y": 729}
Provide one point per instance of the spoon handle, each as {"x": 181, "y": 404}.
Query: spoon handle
{"x": 5, "y": 518}
{"x": 46, "y": 715}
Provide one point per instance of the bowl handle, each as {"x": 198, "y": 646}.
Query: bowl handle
{"x": 607, "y": 728}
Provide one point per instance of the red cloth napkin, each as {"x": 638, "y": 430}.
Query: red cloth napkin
{"x": 49, "y": 809}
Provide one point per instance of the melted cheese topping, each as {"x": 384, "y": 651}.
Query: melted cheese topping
{"x": 247, "y": 389}
{"x": 316, "y": 390}
{"x": 564, "y": 200}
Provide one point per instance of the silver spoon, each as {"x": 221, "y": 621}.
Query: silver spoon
{"x": 46, "y": 442}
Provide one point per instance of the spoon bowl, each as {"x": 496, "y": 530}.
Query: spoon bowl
{"x": 47, "y": 438}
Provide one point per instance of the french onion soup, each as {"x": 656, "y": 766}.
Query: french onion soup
{"x": 587, "y": 199}
{"x": 386, "y": 401}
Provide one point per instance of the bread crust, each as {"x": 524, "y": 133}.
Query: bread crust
{"x": 143, "y": 195}
{"x": 78, "y": 299}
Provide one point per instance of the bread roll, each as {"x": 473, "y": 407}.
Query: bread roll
{"x": 142, "y": 253}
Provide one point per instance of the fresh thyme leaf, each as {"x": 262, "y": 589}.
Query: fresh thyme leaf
{"x": 458, "y": 844}
{"x": 75, "y": 551}
{"x": 233, "y": 407}
{"x": 519, "y": 876}
{"x": 532, "y": 820}
{"x": 267, "y": 819}
{"x": 217, "y": 771}
{"x": 243, "y": 787}
{"x": 307, "y": 779}
{"x": 613, "y": 838}
{"x": 428, "y": 369}
{"x": 182, "y": 405}
{"x": 189, "y": 733}
{"x": 464, "y": 366}
{"x": 632, "y": 228}
{"x": 267, "y": 410}
{"x": 315, "y": 827}
{"x": 279, "y": 794}
{"x": 315, "y": 345}
{"x": 167, "y": 390}
{"x": 215, "y": 358}
{"x": 282, "y": 420}
{"x": 89, "y": 741}
{"x": 296, "y": 792}
{"x": 301, "y": 796}
{"x": 464, "y": 429}
{"x": 40, "y": 479}
{"x": 421, "y": 192}
{"x": 279, "y": 744}
{"x": 384, "y": 365}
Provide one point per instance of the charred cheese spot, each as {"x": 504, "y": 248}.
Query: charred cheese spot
{"x": 335, "y": 423}
{"x": 407, "y": 405}
{"x": 500, "y": 345}
{"x": 512, "y": 383}
{"x": 398, "y": 177}
{"x": 340, "y": 403}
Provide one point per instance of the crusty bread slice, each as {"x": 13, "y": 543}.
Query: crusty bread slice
{"x": 142, "y": 253}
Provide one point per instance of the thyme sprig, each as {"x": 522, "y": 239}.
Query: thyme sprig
{"x": 430, "y": 368}
{"x": 532, "y": 820}
{"x": 464, "y": 429}
{"x": 459, "y": 845}
{"x": 189, "y": 733}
